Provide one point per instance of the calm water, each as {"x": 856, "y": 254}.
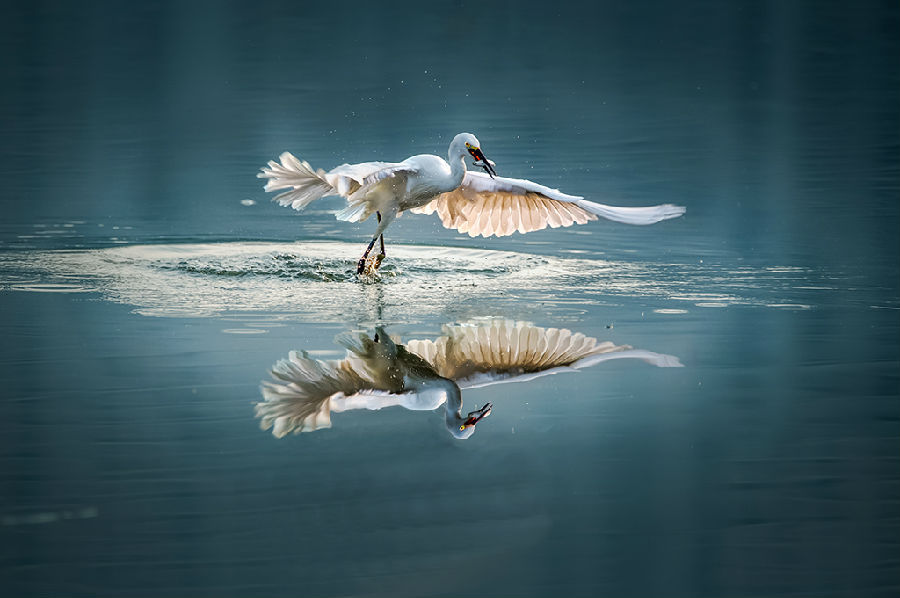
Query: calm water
{"x": 147, "y": 285}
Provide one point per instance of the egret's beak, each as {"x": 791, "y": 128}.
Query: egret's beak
{"x": 478, "y": 415}
{"x": 485, "y": 163}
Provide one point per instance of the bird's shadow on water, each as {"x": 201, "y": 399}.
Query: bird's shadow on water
{"x": 380, "y": 372}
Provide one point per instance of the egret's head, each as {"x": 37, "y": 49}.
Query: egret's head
{"x": 468, "y": 143}
{"x": 465, "y": 140}
{"x": 466, "y": 427}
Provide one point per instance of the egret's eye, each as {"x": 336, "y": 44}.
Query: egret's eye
{"x": 462, "y": 427}
{"x": 468, "y": 145}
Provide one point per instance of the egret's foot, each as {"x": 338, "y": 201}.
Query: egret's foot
{"x": 367, "y": 269}
{"x": 376, "y": 262}
{"x": 361, "y": 265}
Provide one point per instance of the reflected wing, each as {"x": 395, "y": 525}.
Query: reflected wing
{"x": 488, "y": 352}
{"x": 499, "y": 206}
{"x": 297, "y": 399}
{"x": 305, "y": 391}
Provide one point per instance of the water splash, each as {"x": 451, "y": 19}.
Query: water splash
{"x": 317, "y": 281}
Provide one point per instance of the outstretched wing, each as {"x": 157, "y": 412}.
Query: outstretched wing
{"x": 305, "y": 185}
{"x": 349, "y": 178}
{"x": 487, "y": 352}
{"x": 499, "y": 206}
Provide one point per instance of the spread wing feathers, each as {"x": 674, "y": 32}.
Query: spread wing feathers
{"x": 500, "y": 206}
{"x": 306, "y": 185}
{"x": 480, "y": 353}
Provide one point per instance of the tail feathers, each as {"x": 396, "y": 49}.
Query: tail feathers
{"x": 639, "y": 216}
{"x": 305, "y": 184}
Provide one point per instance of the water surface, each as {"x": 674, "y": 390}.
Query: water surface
{"x": 147, "y": 285}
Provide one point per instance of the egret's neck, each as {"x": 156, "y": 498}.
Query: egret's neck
{"x": 452, "y": 414}
{"x": 457, "y": 169}
{"x": 441, "y": 390}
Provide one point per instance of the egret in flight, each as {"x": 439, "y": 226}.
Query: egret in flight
{"x": 477, "y": 203}
{"x": 424, "y": 374}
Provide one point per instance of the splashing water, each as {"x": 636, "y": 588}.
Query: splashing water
{"x": 317, "y": 280}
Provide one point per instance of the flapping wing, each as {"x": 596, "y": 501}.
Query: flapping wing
{"x": 492, "y": 351}
{"x": 359, "y": 182}
{"x": 349, "y": 178}
{"x": 499, "y": 206}
{"x": 502, "y": 206}
{"x": 304, "y": 185}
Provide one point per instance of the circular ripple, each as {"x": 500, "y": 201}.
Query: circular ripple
{"x": 260, "y": 283}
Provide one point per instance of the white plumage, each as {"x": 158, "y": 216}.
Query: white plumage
{"x": 476, "y": 203}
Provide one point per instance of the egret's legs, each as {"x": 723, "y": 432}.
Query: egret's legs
{"x": 361, "y": 266}
{"x": 380, "y": 256}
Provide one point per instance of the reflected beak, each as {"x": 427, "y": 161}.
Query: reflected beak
{"x": 485, "y": 163}
{"x": 478, "y": 415}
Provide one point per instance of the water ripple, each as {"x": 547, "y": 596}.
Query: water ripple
{"x": 317, "y": 281}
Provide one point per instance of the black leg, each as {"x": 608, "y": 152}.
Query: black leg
{"x": 361, "y": 266}
{"x": 380, "y": 256}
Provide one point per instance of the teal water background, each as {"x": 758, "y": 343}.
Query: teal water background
{"x": 147, "y": 284}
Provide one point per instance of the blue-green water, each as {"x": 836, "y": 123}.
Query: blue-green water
{"x": 147, "y": 284}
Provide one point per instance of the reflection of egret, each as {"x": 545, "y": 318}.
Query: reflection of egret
{"x": 424, "y": 374}
{"x": 478, "y": 203}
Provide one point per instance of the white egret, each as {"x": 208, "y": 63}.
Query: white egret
{"x": 477, "y": 203}
{"x": 424, "y": 374}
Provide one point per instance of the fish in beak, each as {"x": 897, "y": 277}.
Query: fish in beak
{"x": 479, "y": 156}
{"x": 478, "y": 415}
